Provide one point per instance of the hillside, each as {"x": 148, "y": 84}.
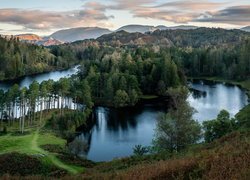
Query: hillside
{"x": 75, "y": 34}
{"x": 202, "y": 37}
{"x": 145, "y": 28}
{"x": 194, "y": 37}
{"x": 247, "y": 28}
{"x": 35, "y": 39}
{"x": 225, "y": 158}
{"x": 137, "y": 28}
{"x": 132, "y": 39}
{"x": 29, "y": 37}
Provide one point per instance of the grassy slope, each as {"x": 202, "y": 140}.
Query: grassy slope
{"x": 30, "y": 144}
{"x": 225, "y": 158}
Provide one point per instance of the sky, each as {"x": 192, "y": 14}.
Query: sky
{"x": 44, "y": 17}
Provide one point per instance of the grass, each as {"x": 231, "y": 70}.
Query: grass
{"x": 30, "y": 144}
{"x": 21, "y": 144}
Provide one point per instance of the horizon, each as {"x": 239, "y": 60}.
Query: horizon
{"x": 44, "y": 18}
{"x": 46, "y": 35}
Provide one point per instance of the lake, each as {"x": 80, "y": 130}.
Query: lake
{"x": 27, "y": 80}
{"x": 114, "y": 132}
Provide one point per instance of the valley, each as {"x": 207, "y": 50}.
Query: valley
{"x": 167, "y": 103}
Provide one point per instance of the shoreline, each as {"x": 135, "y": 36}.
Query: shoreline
{"x": 39, "y": 73}
{"x": 242, "y": 84}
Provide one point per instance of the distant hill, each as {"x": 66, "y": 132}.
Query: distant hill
{"x": 49, "y": 42}
{"x": 202, "y": 37}
{"x": 247, "y": 28}
{"x": 132, "y": 39}
{"x": 75, "y": 34}
{"x": 29, "y": 37}
{"x": 35, "y": 39}
{"x": 136, "y": 28}
{"x": 183, "y": 27}
{"x": 144, "y": 29}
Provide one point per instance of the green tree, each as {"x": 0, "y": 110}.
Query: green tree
{"x": 33, "y": 96}
{"x": 121, "y": 98}
{"x": 176, "y": 129}
{"x": 243, "y": 118}
{"x": 218, "y": 127}
{"x": 134, "y": 97}
{"x": 86, "y": 94}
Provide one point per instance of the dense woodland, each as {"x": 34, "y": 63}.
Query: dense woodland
{"x": 18, "y": 59}
{"x": 197, "y": 52}
{"x": 117, "y": 71}
{"x": 202, "y": 52}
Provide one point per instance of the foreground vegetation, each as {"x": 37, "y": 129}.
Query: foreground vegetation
{"x": 29, "y": 145}
{"x": 226, "y": 157}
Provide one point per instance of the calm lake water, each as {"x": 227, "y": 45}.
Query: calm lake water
{"x": 27, "y": 80}
{"x": 114, "y": 132}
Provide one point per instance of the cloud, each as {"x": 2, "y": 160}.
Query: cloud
{"x": 191, "y": 5}
{"x": 238, "y": 15}
{"x": 182, "y": 11}
{"x": 45, "y": 20}
{"x": 94, "y": 13}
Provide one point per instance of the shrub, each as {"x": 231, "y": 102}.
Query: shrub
{"x": 139, "y": 150}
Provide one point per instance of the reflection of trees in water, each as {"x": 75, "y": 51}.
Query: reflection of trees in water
{"x": 106, "y": 119}
{"x": 198, "y": 94}
{"x": 80, "y": 145}
{"x": 121, "y": 119}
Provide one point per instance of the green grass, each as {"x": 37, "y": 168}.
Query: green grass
{"x": 30, "y": 144}
{"x": 48, "y": 138}
{"x": 22, "y": 144}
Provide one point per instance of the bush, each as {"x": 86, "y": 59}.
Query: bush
{"x": 243, "y": 118}
{"x": 139, "y": 150}
{"x": 23, "y": 165}
{"x": 219, "y": 127}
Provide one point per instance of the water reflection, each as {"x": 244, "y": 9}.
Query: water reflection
{"x": 115, "y": 132}
{"x": 214, "y": 98}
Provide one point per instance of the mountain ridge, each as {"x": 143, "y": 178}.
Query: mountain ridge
{"x": 80, "y": 33}
{"x": 247, "y": 28}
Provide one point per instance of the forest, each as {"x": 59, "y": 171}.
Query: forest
{"x": 199, "y": 52}
{"x": 18, "y": 59}
{"x": 202, "y": 52}
{"x": 119, "y": 70}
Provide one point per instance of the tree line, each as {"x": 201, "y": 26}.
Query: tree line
{"x": 28, "y": 104}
